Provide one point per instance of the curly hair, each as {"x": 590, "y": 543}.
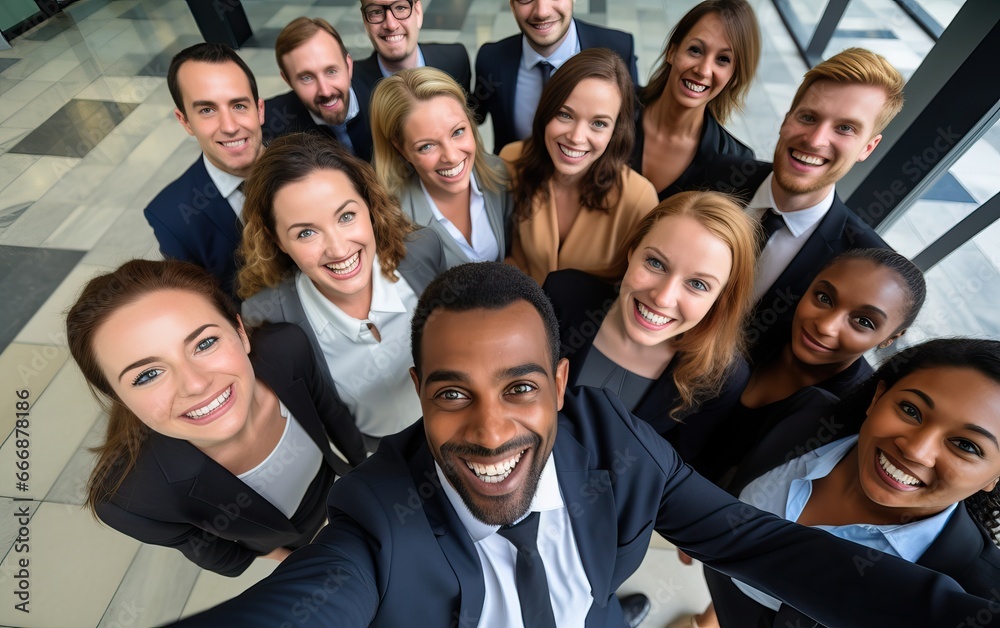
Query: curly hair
{"x": 292, "y": 158}
{"x": 602, "y": 185}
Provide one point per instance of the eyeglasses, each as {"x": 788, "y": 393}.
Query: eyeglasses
{"x": 375, "y": 13}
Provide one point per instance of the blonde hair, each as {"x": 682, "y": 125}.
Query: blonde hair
{"x": 292, "y": 158}
{"x": 857, "y": 66}
{"x": 706, "y": 352}
{"x": 743, "y": 34}
{"x": 393, "y": 102}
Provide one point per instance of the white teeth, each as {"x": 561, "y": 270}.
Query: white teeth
{"x": 655, "y": 319}
{"x": 234, "y": 143}
{"x": 331, "y": 102}
{"x": 895, "y": 473}
{"x": 494, "y": 473}
{"x": 393, "y": 38}
{"x": 694, "y": 87}
{"x": 575, "y": 154}
{"x": 218, "y": 401}
{"x": 454, "y": 172}
{"x": 347, "y": 266}
{"x": 808, "y": 159}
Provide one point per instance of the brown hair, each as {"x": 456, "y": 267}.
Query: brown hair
{"x": 205, "y": 53}
{"x": 706, "y": 352}
{"x": 297, "y": 32}
{"x": 292, "y": 158}
{"x": 602, "y": 185}
{"x": 857, "y": 66}
{"x": 392, "y": 103}
{"x": 101, "y": 297}
{"x": 743, "y": 34}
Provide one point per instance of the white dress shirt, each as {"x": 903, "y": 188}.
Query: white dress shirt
{"x": 372, "y": 377}
{"x": 484, "y": 247}
{"x": 529, "y": 78}
{"x": 227, "y": 185}
{"x": 786, "y": 243}
{"x": 569, "y": 587}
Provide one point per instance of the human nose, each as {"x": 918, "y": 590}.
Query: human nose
{"x": 543, "y": 8}
{"x": 335, "y": 246}
{"x": 828, "y": 324}
{"x": 919, "y": 445}
{"x": 193, "y": 380}
{"x": 818, "y": 135}
{"x": 390, "y": 22}
{"x": 488, "y": 425}
{"x": 227, "y": 122}
{"x": 665, "y": 293}
{"x": 575, "y": 134}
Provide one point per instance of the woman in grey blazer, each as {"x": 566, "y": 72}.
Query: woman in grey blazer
{"x": 326, "y": 247}
{"x": 429, "y": 154}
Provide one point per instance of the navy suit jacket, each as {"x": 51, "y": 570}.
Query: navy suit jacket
{"x": 178, "y": 497}
{"x": 286, "y": 114}
{"x": 450, "y": 58}
{"x": 963, "y": 550}
{"x": 395, "y": 548}
{"x": 194, "y": 223}
{"x": 838, "y": 231}
{"x": 496, "y": 75}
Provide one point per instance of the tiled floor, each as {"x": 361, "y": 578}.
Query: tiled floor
{"x": 87, "y": 137}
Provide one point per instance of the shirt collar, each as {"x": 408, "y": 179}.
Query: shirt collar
{"x": 475, "y": 195}
{"x": 224, "y": 182}
{"x": 798, "y": 222}
{"x": 569, "y": 47}
{"x": 386, "y": 73}
{"x": 320, "y": 312}
{"x": 353, "y": 109}
{"x": 547, "y": 497}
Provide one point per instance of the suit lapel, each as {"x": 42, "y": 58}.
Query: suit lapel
{"x": 958, "y": 545}
{"x": 218, "y": 210}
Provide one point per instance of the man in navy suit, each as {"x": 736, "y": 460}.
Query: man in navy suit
{"x": 197, "y": 217}
{"x": 393, "y": 29}
{"x": 315, "y": 63}
{"x": 510, "y": 73}
{"x": 419, "y": 532}
{"x": 835, "y": 121}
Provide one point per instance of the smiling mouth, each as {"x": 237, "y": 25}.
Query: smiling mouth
{"x": 695, "y": 87}
{"x": 809, "y": 160}
{"x": 650, "y": 316}
{"x": 454, "y": 172}
{"x": 897, "y": 474}
{"x": 234, "y": 143}
{"x": 392, "y": 39}
{"x": 541, "y": 26}
{"x": 572, "y": 154}
{"x": 817, "y": 344}
{"x": 497, "y": 472}
{"x": 211, "y": 406}
{"x": 345, "y": 267}
{"x": 329, "y": 104}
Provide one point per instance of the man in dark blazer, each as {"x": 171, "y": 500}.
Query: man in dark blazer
{"x": 835, "y": 121}
{"x": 509, "y": 78}
{"x": 393, "y": 32}
{"x": 315, "y": 63}
{"x": 197, "y": 217}
{"x": 420, "y": 529}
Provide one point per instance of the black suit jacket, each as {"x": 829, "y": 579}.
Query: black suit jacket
{"x": 286, "y": 114}
{"x": 581, "y": 301}
{"x": 395, "y": 546}
{"x": 178, "y": 497}
{"x": 963, "y": 550}
{"x": 496, "y": 75}
{"x": 194, "y": 223}
{"x": 450, "y": 58}
{"x": 838, "y": 231}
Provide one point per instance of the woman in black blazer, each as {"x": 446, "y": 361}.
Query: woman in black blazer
{"x": 213, "y": 447}
{"x": 928, "y": 442}
{"x": 702, "y": 77}
{"x": 668, "y": 339}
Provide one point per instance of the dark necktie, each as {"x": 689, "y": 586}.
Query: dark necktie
{"x": 532, "y": 586}
{"x": 547, "y": 70}
{"x": 340, "y": 132}
{"x": 771, "y": 222}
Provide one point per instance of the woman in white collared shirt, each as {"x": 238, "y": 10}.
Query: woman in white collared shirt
{"x": 428, "y": 153}
{"x": 327, "y": 248}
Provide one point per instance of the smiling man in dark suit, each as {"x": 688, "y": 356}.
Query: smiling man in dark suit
{"x": 196, "y": 218}
{"x": 393, "y": 28}
{"x": 510, "y": 73}
{"x": 836, "y": 120}
{"x": 509, "y": 483}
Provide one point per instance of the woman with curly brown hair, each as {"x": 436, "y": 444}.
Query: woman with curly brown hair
{"x": 575, "y": 198}
{"x": 327, "y": 248}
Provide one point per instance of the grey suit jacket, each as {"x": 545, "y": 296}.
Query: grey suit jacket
{"x": 499, "y": 207}
{"x": 424, "y": 261}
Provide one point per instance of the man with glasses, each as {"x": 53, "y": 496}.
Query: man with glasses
{"x": 316, "y": 65}
{"x": 393, "y": 28}
{"x": 510, "y": 73}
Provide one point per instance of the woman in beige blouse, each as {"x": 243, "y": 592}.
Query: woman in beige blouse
{"x": 575, "y": 197}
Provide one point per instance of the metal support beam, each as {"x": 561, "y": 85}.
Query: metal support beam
{"x": 986, "y": 215}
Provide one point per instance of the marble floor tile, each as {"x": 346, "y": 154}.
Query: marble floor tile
{"x": 30, "y": 277}
{"x": 74, "y": 129}
{"x": 12, "y": 166}
{"x": 672, "y": 587}
{"x": 6, "y": 63}
{"x": 70, "y": 488}
{"x": 211, "y": 588}
{"x": 154, "y": 590}
{"x": 48, "y": 325}
{"x": 29, "y": 367}
{"x": 51, "y": 28}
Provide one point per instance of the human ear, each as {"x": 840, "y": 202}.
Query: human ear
{"x": 561, "y": 377}
{"x": 243, "y": 334}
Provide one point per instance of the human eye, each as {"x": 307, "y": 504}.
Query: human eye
{"x": 846, "y": 129}
{"x": 806, "y": 118}
{"x": 694, "y": 50}
{"x": 563, "y": 115}
{"x": 967, "y": 446}
{"x": 205, "y": 111}
{"x": 654, "y": 263}
{"x": 239, "y": 106}
{"x": 146, "y": 376}
{"x": 698, "y": 284}
{"x": 305, "y": 233}
{"x": 375, "y": 13}
{"x": 306, "y": 78}
{"x": 521, "y": 388}
{"x": 400, "y": 8}
{"x": 824, "y": 298}
{"x": 725, "y": 59}
{"x": 459, "y": 132}
{"x": 206, "y": 344}
{"x": 331, "y": 71}
{"x": 423, "y": 148}
{"x": 601, "y": 124}
{"x": 347, "y": 217}
{"x": 865, "y": 322}
{"x": 450, "y": 398}
{"x": 910, "y": 410}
